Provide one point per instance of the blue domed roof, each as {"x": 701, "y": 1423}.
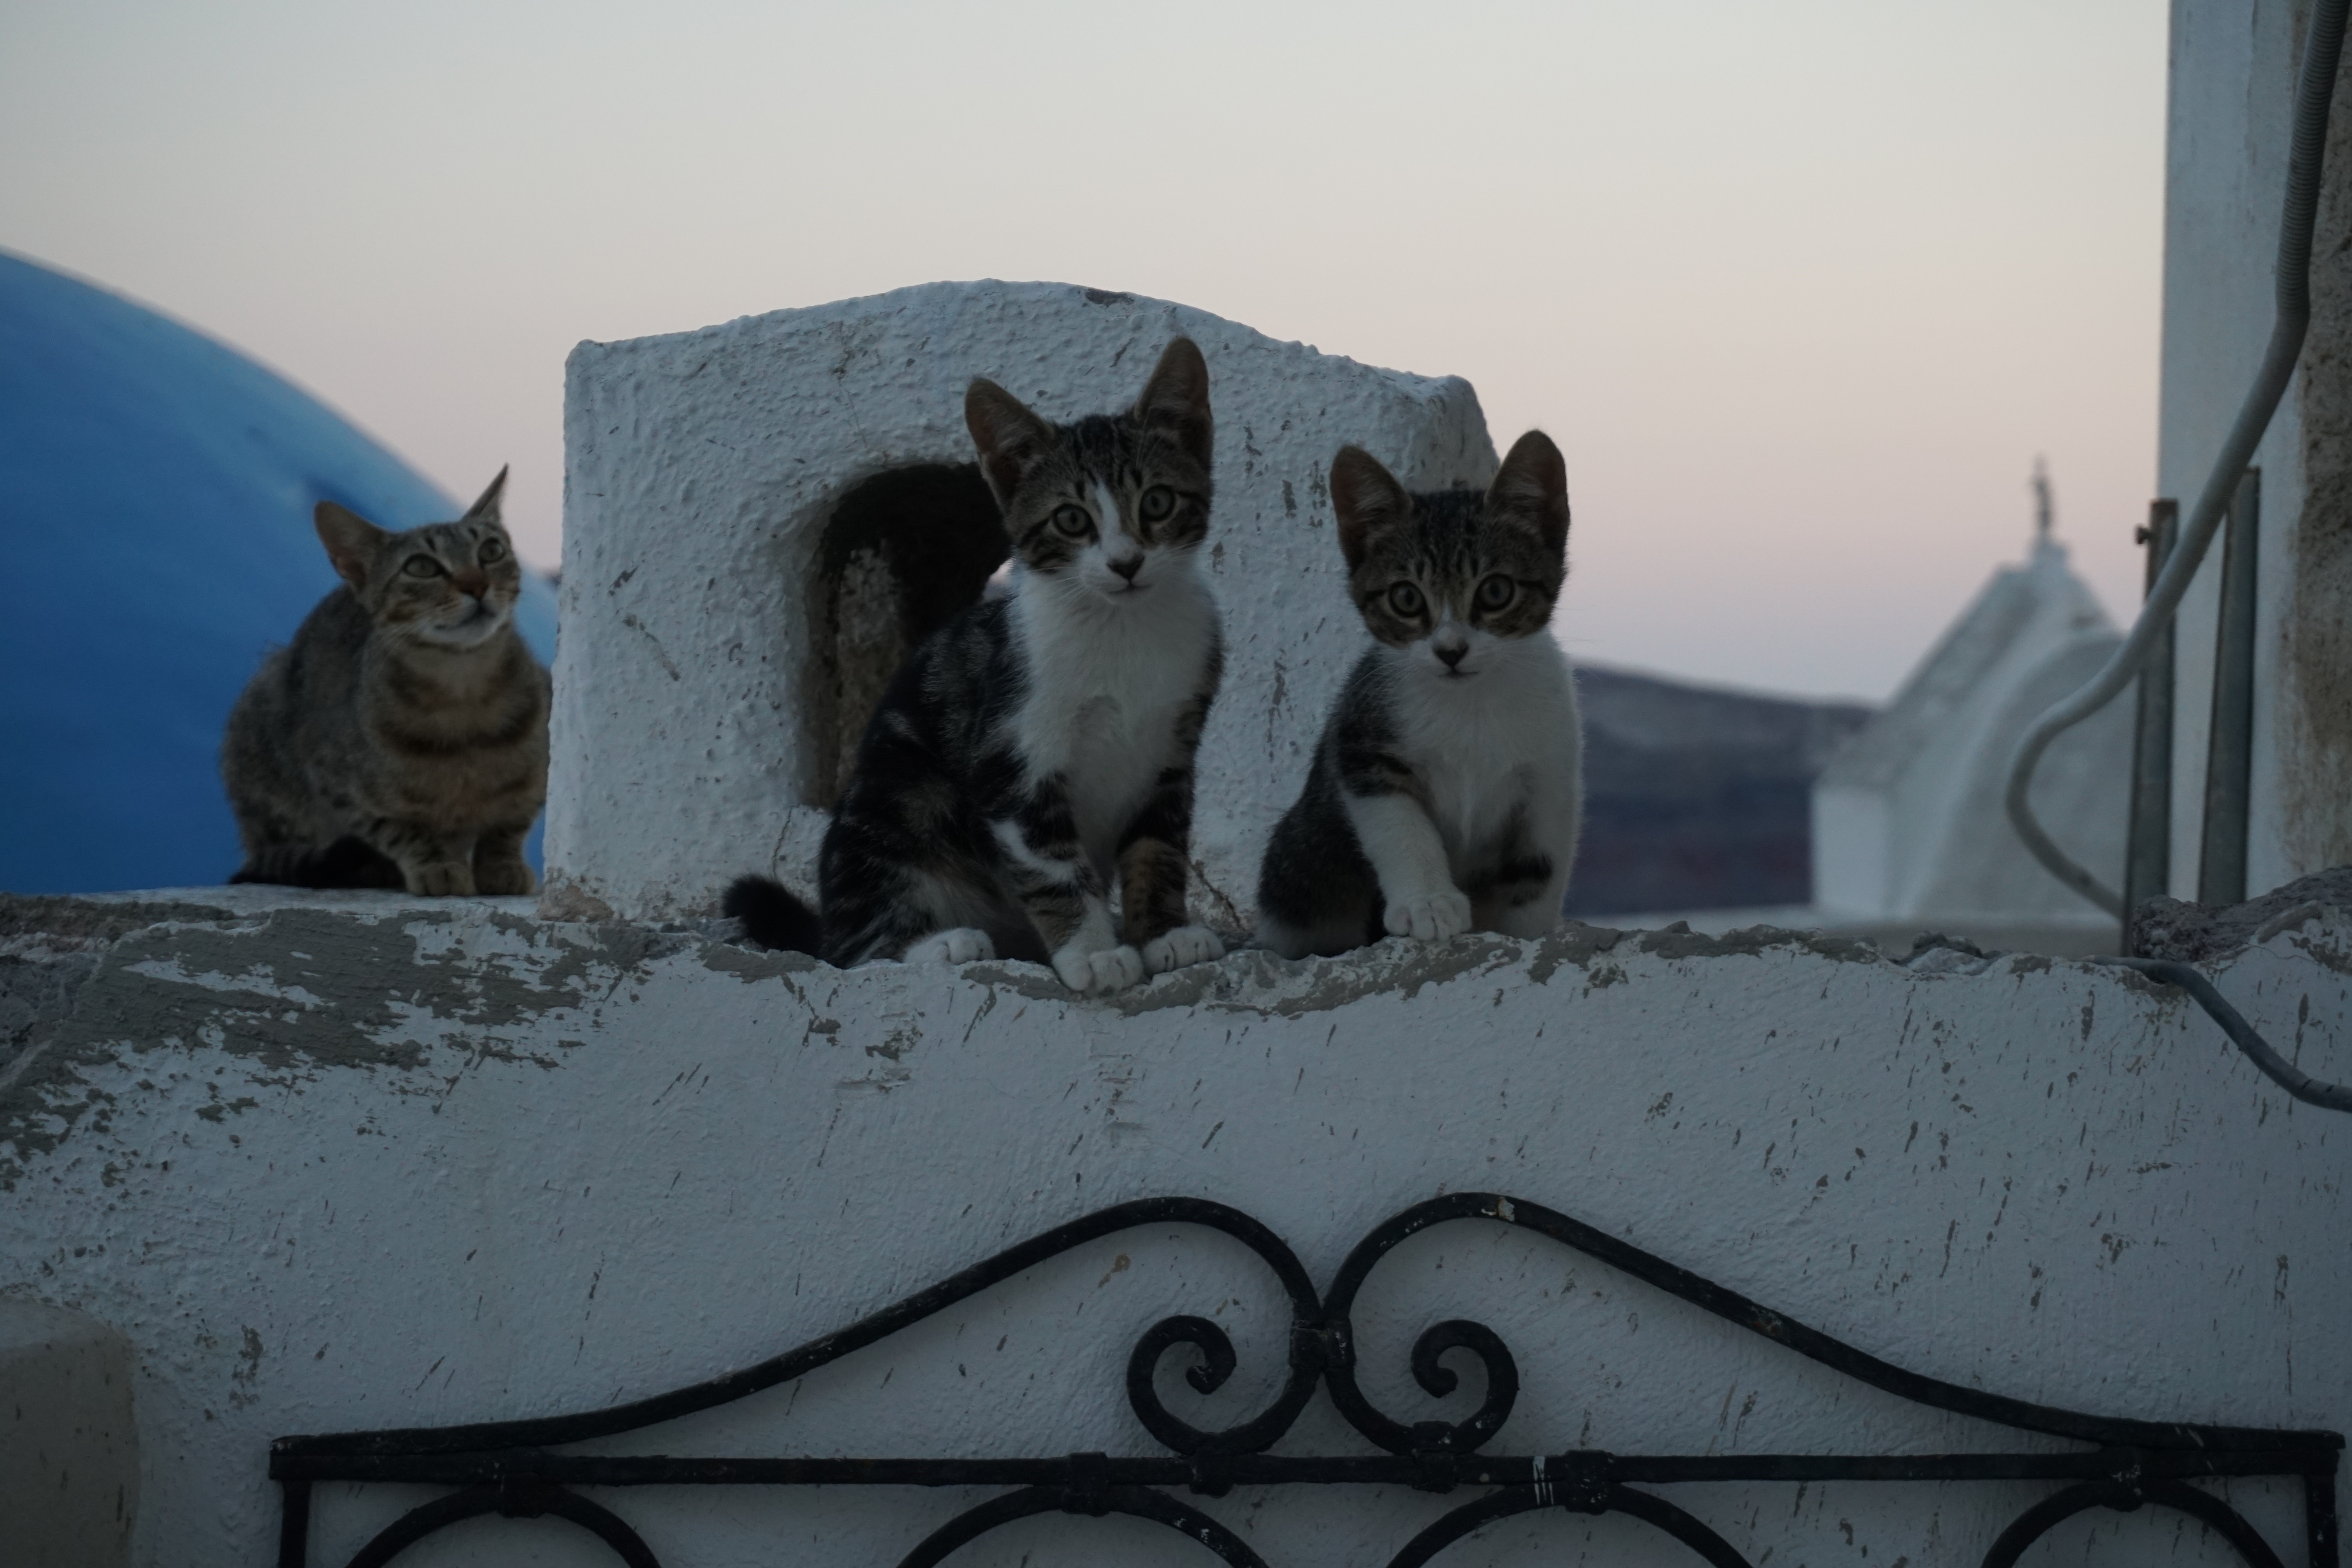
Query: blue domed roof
{"x": 156, "y": 499}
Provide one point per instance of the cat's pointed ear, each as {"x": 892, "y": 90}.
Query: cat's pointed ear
{"x": 1010, "y": 439}
{"x": 1366, "y": 499}
{"x": 351, "y": 540}
{"x": 486, "y": 510}
{"x": 1176, "y": 400}
{"x": 1532, "y": 485}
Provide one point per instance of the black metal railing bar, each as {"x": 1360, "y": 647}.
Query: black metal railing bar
{"x": 509, "y": 1468}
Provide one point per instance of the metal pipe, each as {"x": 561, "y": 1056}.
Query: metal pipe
{"x": 2147, "y": 853}
{"x": 2285, "y": 1074}
{"x": 2230, "y": 738}
{"x": 2323, "y": 46}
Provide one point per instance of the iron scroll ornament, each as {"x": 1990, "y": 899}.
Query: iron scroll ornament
{"x": 511, "y": 1468}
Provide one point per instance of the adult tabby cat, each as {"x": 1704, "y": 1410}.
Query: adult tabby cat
{"x": 1446, "y": 788}
{"x": 400, "y": 740}
{"x": 1040, "y": 744}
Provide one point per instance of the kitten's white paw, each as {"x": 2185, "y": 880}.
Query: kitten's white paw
{"x": 1091, "y": 974}
{"x": 1432, "y": 919}
{"x": 1184, "y": 944}
{"x": 964, "y": 945}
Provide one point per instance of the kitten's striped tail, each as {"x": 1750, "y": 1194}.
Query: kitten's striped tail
{"x": 773, "y": 915}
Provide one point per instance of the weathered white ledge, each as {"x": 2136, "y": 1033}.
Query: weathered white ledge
{"x": 366, "y": 1161}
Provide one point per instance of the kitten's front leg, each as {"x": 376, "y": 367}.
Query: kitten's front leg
{"x": 434, "y": 864}
{"x": 959, "y": 945}
{"x": 499, "y": 869}
{"x": 1062, "y": 894}
{"x": 1418, "y": 895}
{"x": 1152, "y": 870}
{"x": 1529, "y": 910}
{"x": 1521, "y": 897}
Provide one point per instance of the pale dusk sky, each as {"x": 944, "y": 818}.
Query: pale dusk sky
{"x": 1801, "y": 288}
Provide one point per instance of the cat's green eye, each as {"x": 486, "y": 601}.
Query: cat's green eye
{"x": 1075, "y": 521}
{"x": 1406, "y": 600}
{"x": 492, "y": 550}
{"x": 1496, "y": 591}
{"x": 1158, "y": 502}
{"x": 422, "y": 566}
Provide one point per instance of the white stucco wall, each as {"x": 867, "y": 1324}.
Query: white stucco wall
{"x": 428, "y": 1163}
{"x": 69, "y": 1441}
{"x": 2234, "y": 74}
{"x": 700, "y": 469}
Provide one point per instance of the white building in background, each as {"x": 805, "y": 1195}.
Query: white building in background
{"x": 1908, "y": 829}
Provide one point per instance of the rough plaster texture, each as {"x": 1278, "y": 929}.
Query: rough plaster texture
{"x": 2316, "y": 728}
{"x": 2234, "y": 73}
{"x": 366, "y": 1162}
{"x": 2194, "y": 933}
{"x": 68, "y": 1447}
{"x": 700, "y": 471}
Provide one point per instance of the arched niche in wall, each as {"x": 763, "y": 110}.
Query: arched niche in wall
{"x": 903, "y": 551}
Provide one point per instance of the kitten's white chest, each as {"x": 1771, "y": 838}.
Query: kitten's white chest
{"x": 1105, "y": 692}
{"x": 1501, "y": 746}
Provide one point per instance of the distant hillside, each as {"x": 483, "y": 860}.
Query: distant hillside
{"x": 1698, "y": 798}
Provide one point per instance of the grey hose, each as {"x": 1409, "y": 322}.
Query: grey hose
{"x": 2323, "y": 44}
{"x": 2289, "y": 1077}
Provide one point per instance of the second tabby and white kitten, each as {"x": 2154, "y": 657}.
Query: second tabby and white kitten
{"x": 1037, "y": 749}
{"x": 1446, "y": 790}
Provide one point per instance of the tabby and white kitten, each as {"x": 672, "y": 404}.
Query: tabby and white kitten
{"x": 1041, "y": 743}
{"x": 400, "y": 740}
{"x": 1446, "y": 788}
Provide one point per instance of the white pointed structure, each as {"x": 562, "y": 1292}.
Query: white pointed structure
{"x": 1907, "y": 819}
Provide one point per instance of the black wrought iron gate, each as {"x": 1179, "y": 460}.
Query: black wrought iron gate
{"x": 512, "y": 1468}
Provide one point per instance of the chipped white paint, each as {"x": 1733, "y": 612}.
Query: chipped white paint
{"x": 439, "y": 1163}
{"x": 701, "y": 468}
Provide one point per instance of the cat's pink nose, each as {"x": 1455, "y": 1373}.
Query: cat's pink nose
{"x": 1127, "y": 566}
{"x": 1450, "y": 652}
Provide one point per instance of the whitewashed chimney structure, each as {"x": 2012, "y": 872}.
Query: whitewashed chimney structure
{"x": 695, "y": 736}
